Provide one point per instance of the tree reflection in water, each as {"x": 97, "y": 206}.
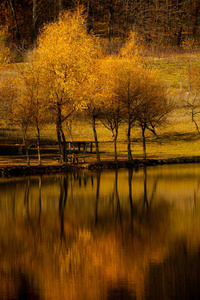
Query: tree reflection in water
{"x": 98, "y": 176}
{"x": 120, "y": 293}
{"x": 104, "y": 235}
{"x": 62, "y": 204}
{"x": 177, "y": 277}
{"x": 18, "y": 286}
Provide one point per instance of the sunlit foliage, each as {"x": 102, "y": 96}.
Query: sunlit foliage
{"x": 65, "y": 54}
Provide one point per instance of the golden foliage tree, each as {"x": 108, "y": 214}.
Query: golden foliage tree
{"x": 92, "y": 108}
{"x": 130, "y": 69}
{"x": 142, "y": 93}
{"x": 152, "y": 104}
{"x": 94, "y": 92}
{"x": 17, "y": 108}
{"x": 112, "y": 108}
{"x": 32, "y": 89}
{"x": 128, "y": 90}
{"x": 65, "y": 53}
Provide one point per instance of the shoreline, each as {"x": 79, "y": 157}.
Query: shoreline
{"x": 21, "y": 170}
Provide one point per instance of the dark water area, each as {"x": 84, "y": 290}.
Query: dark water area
{"x": 110, "y": 235}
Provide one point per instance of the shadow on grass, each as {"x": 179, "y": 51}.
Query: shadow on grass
{"x": 171, "y": 137}
{"x": 176, "y": 136}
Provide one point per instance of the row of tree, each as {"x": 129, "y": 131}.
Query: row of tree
{"x": 161, "y": 22}
{"x": 71, "y": 74}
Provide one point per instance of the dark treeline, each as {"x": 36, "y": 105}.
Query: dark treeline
{"x": 158, "y": 22}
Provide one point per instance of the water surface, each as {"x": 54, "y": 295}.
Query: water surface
{"x": 102, "y": 235}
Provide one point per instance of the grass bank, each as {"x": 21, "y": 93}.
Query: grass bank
{"x": 177, "y": 140}
{"x": 176, "y": 143}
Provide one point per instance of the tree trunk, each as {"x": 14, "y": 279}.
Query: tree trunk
{"x": 145, "y": 203}
{"x": 116, "y": 197}
{"x": 114, "y": 136}
{"x": 193, "y": 120}
{"x": 24, "y": 129}
{"x": 130, "y": 177}
{"x": 34, "y": 20}
{"x": 97, "y": 198}
{"x": 144, "y": 142}
{"x": 40, "y": 200}
{"x": 196, "y": 19}
{"x": 60, "y": 135}
{"x": 63, "y": 144}
{"x": 115, "y": 146}
{"x": 62, "y": 204}
{"x": 38, "y": 144}
{"x": 152, "y": 129}
{"x": 95, "y": 138}
{"x": 27, "y": 192}
{"x": 129, "y": 142}
{"x": 179, "y": 37}
{"x": 12, "y": 8}
{"x": 60, "y": 6}
{"x": 27, "y": 156}
{"x": 90, "y": 16}
{"x": 59, "y": 138}
{"x": 110, "y": 20}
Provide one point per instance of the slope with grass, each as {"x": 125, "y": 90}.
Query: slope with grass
{"x": 177, "y": 138}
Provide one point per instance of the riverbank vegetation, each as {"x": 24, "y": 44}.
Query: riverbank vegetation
{"x": 70, "y": 88}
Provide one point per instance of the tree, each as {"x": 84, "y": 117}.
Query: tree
{"x": 128, "y": 90}
{"x": 17, "y": 108}
{"x": 7, "y": 90}
{"x": 11, "y": 3}
{"x": 91, "y": 106}
{"x": 32, "y": 81}
{"x": 152, "y": 105}
{"x": 112, "y": 110}
{"x": 65, "y": 53}
{"x": 141, "y": 93}
{"x": 130, "y": 69}
{"x": 21, "y": 101}
{"x": 21, "y": 116}
{"x": 8, "y": 93}
{"x": 193, "y": 95}
{"x": 196, "y": 18}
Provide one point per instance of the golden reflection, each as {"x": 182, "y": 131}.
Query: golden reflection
{"x": 108, "y": 235}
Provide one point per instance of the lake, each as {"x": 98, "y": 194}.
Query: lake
{"x": 120, "y": 234}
